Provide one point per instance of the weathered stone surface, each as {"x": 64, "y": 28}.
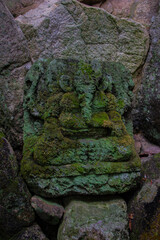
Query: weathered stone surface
{"x": 67, "y": 28}
{"x": 18, "y": 7}
{"x": 140, "y": 11}
{"x": 31, "y": 233}
{"x": 143, "y": 147}
{"x": 75, "y": 139}
{"x": 13, "y": 46}
{"x": 48, "y": 211}
{"x": 14, "y": 4}
{"x": 15, "y": 208}
{"x": 101, "y": 220}
{"x": 146, "y": 115}
{"x": 145, "y": 205}
{"x": 13, "y": 58}
{"x": 11, "y": 104}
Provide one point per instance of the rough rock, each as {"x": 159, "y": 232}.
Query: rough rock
{"x": 13, "y": 58}
{"x": 14, "y": 4}
{"x": 31, "y": 233}
{"x": 75, "y": 140}
{"x": 48, "y": 211}
{"x": 18, "y": 7}
{"x": 146, "y": 115}
{"x": 13, "y": 46}
{"x": 15, "y": 208}
{"x": 145, "y": 205}
{"x": 140, "y": 11}
{"x": 143, "y": 147}
{"x": 67, "y": 28}
{"x": 100, "y": 220}
{"x": 11, "y": 104}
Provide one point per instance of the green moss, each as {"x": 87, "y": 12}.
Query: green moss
{"x": 72, "y": 121}
{"x": 111, "y": 99}
{"x": 114, "y": 116}
{"x": 100, "y": 101}
{"x": 118, "y": 129}
{"x": 70, "y": 102}
{"x": 51, "y": 129}
{"x": 84, "y": 156}
{"x": 49, "y": 152}
{"x": 52, "y": 107}
{"x": 120, "y": 105}
{"x": 99, "y": 119}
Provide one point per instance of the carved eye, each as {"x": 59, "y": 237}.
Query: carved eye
{"x": 65, "y": 83}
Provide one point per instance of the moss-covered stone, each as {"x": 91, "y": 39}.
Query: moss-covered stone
{"x": 72, "y": 121}
{"x": 101, "y": 220}
{"x": 70, "y": 102}
{"x": 74, "y": 129}
{"x": 100, "y": 101}
{"x": 99, "y": 119}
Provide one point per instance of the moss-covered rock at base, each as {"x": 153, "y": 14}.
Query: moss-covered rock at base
{"x": 100, "y": 220}
{"x": 74, "y": 128}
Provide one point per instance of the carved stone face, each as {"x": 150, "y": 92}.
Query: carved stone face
{"x": 75, "y": 138}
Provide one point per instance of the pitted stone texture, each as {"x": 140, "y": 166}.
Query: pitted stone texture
{"x": 101, "y": 220}
{"x": 147, "y": 112}
{"x": 143, "y": 147}
{"x": 67, "y": 28}
{"x": 11, "y": 104}
{"x": 13, "y": 46}
{"x": 140, "y": 11}
{"x": 48, "y": 211}
{"x": 31, "y": 233}
{"x": 75, "y": 140}
{"x": 13, "y": 58}
{"x": 18, "y": 7}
